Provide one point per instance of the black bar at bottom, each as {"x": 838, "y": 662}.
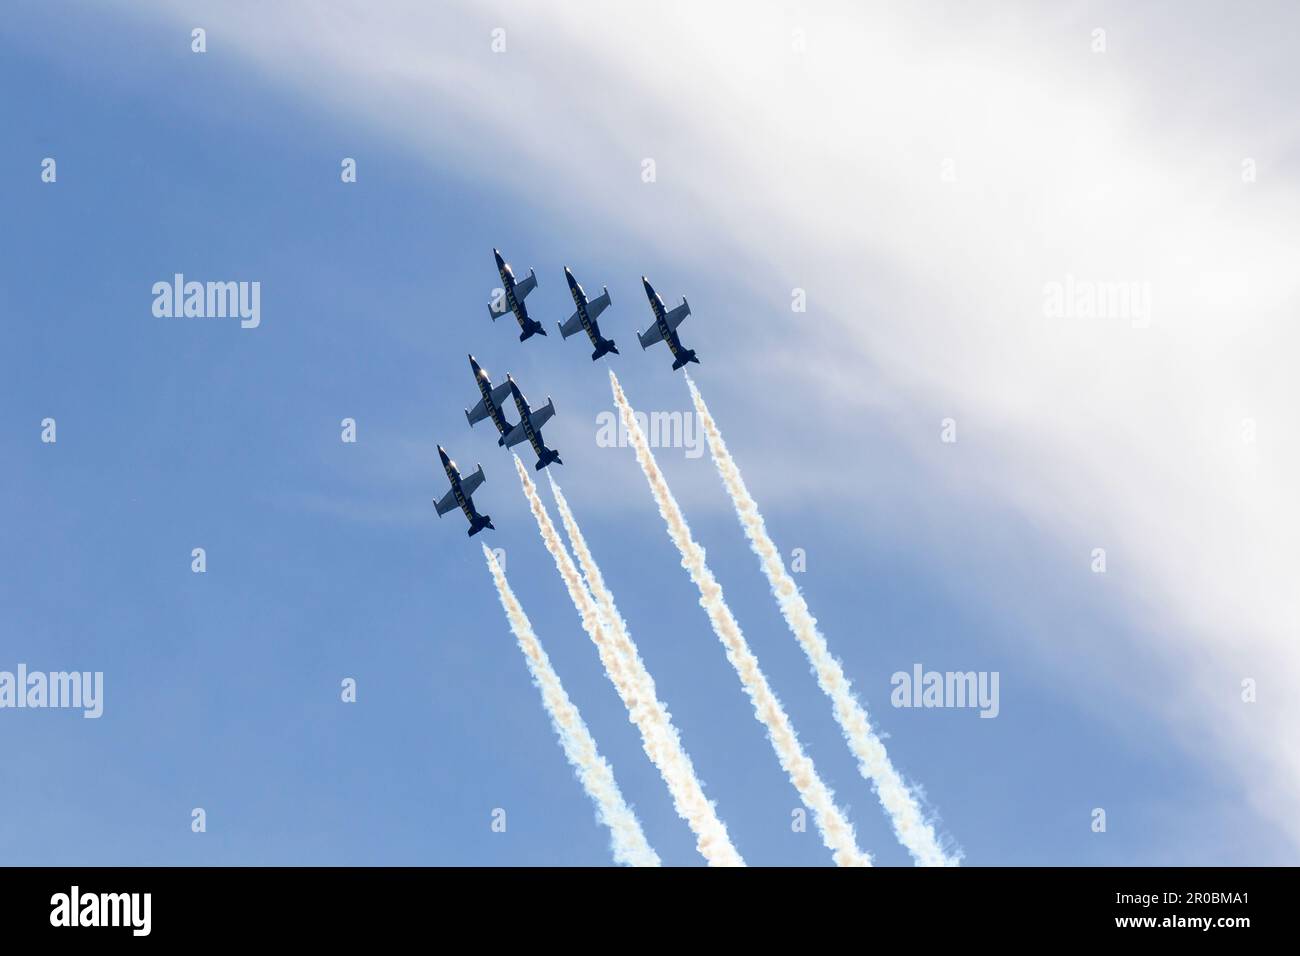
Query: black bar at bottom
{"x": 212, "y": 905}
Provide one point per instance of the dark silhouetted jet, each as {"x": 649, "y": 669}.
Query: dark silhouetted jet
{"x": 665, "y": 327}
{"x": 584, "y": 318}
{"x": 512, "y": 299}
{"x": 461, "y": 495}
{"x": 530, "y": 427}
{"x": 489, "y": 406}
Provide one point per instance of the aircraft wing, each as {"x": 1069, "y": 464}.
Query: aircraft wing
{"x": 446, "y": 503}
{"x": 515, "y": 436}
{"x": 480, "y": 412}
{"x": 525, "y": 286}
{"x": 650, "y": 336}
{"x": 678, "y": 315}
{"x": 542, "y": 416}
{"x": 471, "y": 484}
{"x": 597, "y": 306}
{"x": 572, "y": 327}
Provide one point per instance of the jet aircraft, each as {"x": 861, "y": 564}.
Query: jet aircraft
{"x": 461, "y": 495}
{"x": 530, "y": 428}
{"x": 584, "y": 318}
{"x": 512, "y": 299}
{"x": 665, "y": 327}
{"x": 489, "y": 405}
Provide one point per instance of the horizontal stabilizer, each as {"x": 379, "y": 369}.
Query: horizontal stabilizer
{"x": 686, "y": 355}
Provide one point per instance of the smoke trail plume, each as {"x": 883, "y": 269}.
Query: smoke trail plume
{"x": 610, "y": 618}
{"x": 628, "y": 841}
{"x": 910, "y": 825}
{"x": 678, "y": 763}
{"x": 836, "y": 831}
{"x": 711, "y": 837}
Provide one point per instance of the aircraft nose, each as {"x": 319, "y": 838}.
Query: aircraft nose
{"x": 497, "y": 253}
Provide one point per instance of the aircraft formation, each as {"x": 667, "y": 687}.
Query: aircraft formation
{"x": 492, "y": 398}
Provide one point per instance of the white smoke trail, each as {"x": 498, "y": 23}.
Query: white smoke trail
{"x": 610, "y": 618}
{"x": 678, "y": 766}
{"x": 628, "y": 841}
{"x": 836, "y": 831}
{"x": 910, "y": 825}
{"x": 711, "y": 837}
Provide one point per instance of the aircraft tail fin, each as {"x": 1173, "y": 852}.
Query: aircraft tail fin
{"x": 547, "y": 456}
{"x": 687, "y": 355}
{"x": 533, "y": 328}
{"x": 604, "y": 348}
{"x": 479, "y": 523}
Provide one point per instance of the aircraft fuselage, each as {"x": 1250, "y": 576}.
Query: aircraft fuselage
{"x": 493, "y": 409}
{"x": 513, "y": 304}
{"x": 580, "y": 303}
{"x": 453, "y": 476}
{"x": 526, "y": 419}
{"x": 583, "y": 317}
{"x": 666, "y": 332}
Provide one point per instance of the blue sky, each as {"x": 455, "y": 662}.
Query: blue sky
{"x": 326, "y": 560}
